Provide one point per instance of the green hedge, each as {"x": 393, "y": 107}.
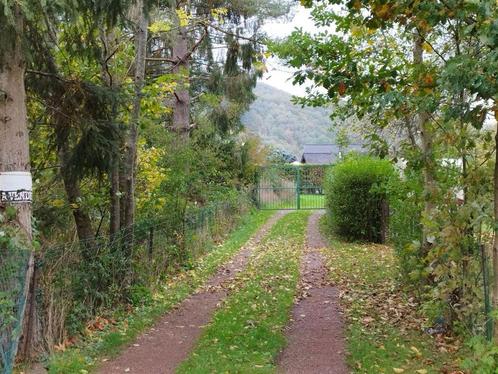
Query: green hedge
{"x": 356, "y": 198}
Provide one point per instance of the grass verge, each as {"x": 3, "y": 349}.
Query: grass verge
{"x": 246, "y": 334}
{"x": 384, "y": 330}
{"x": 85, "y": 356}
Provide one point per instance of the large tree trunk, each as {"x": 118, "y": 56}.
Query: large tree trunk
{"x": 181, "y": 106}
{"x": 14, "y": 136}
{"x": 141, "y": 24}
{"x": 14, "y": 147}
{"x": 424, "y": 126}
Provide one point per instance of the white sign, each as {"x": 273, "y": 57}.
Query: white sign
{"x": 16, "y": 186}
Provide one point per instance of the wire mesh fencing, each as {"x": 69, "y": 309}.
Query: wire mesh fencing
{"x": 13, "y": 267}
{"x": 469, "y": 301}
{"x": 82, "y": 279}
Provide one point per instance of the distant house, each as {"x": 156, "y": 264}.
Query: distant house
{"x": 325, "y": 154}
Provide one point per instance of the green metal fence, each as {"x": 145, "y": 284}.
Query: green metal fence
{"x": 291, "y": 187}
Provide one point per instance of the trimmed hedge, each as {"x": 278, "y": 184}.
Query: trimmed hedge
{"x": 356, "y": 199}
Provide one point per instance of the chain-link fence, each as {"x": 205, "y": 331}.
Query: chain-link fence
{"x": 13, "y": 268}
{"x": 470, "y": 300}
{"x": 82, "y": 279}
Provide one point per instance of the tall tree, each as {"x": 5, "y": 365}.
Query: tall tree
{"x": 78, "y": 110}
{"x": 140, "y": 33}
{"x": 424, "y": 127}
{"x": 15, "y": 173}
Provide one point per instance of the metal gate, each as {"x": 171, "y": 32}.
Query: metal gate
{"x": 291, "y": 187}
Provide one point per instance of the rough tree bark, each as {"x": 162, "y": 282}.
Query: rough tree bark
{"x": 141, "y": 24}
{"x": 14, "y": 136}
{"x": 424, "y": 126}
{"x": 181, "y": 107}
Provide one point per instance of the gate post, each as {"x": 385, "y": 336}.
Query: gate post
{"x": 256, "y": 196}
{"x": 298, "y": 188}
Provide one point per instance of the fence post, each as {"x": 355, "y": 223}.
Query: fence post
{"x": 298, "y": 188}
{"x": 257, "y": 192}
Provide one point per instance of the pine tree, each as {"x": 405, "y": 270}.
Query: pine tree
{"x": 14, "y": 159}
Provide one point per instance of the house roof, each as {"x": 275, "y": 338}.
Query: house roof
{"x": 320, "y": 154}
{"x": 318, "y": 158}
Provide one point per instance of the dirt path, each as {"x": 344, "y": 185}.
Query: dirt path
{"x": 166, "y": 345}
{"x": 315, "y": 336}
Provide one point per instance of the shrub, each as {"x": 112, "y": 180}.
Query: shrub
{"x": 356, "y": 197}
{"x": 405, "y": 230}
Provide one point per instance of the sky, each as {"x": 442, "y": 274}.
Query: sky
{"x": 278, "y": 75}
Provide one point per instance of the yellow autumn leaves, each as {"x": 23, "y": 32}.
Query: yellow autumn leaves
{"x": 400, "y": 370}
{"x": 162, "y": 26}
{"x": 150, "y": 176}
{"x": 182, "y": 20}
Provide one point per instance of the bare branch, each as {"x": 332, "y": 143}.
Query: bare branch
{"x": 430, "y": 45}
{"x": 217, "y": 28}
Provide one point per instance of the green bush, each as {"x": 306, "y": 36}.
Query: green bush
{"x": 405, "y": 230}
{"x": 355, "y": 196}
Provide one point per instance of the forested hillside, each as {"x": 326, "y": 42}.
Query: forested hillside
{"x": 284, "y": 125}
